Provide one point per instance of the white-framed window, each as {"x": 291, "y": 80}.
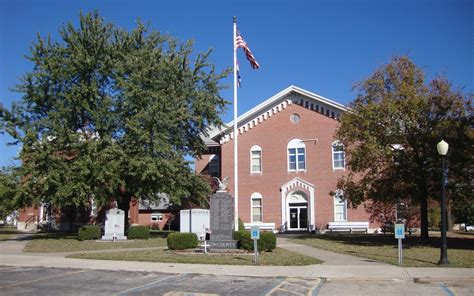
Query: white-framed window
{"x": 214, "y": 165}
{"x": 256, "y": 159}
{"x": 296, "y": 155}
{"x": 340, "y": 207}
{"x": 156, "y": 217}
{"x": 338, "y": 156}
{"x": 256, "y": 207}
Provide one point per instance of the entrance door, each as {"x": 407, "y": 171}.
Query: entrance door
{"x": 298, "y": 216}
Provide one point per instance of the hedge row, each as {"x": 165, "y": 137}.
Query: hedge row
{"x": 138, "y": 232}
{"x": 182, "y": 240}
{"x": 89, "y": 232}
{"x": 267, "y": 241}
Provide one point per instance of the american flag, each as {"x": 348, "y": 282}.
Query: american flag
{"x": 240, "y": 42}
{"x": 239, "y": 79}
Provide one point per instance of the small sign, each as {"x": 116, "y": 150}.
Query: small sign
{"x": 255, "y": 232}
{"x": 399, "y": 230}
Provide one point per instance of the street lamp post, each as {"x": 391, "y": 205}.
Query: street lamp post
{"x": 442, "y": 151}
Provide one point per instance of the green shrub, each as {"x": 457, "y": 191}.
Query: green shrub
{"x": 241, "y": 225}
{"x": 89, "y": 232}
{"x": 182, "y": 240}
{"x": 138, "y": 232}
{"x": 237, "y": 235}
{"x": 267, "y": 241}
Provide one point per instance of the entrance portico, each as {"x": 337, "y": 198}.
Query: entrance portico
{"x": 297, "y": 200}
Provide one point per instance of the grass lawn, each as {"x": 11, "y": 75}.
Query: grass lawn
{"x": 416, "y": 252}
{"x": 6, "y": 236}
{"x": 69, "y": 243}
{"x": 7, "y": 232}
{"x": 279, "y": 257}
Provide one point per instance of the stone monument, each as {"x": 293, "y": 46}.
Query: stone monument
{"x": 114, "y": 225}
{"x": 222, "y": 220}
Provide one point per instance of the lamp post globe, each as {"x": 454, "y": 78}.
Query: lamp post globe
{"x": 442, "y": 148}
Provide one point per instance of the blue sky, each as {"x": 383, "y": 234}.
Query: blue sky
{"x": 322, "y": 46}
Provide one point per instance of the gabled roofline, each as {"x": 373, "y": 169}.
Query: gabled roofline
{"x": 270, "y": 101}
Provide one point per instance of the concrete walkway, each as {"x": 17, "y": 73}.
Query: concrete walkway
{"x": 329, "y": 258}
{"x": 333, "y": 269}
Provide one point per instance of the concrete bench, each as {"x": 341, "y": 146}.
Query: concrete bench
{"x": 348, "y": 226}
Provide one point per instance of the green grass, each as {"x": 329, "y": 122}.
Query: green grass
{"x": 6, "y": 236}
{"x": 278, "y": 257}
{"x": 416, "y": 252}
{"x": 69, "y": 243}
{"x": 7, "y": 233}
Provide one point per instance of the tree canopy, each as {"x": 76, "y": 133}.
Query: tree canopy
{"x": 113, "y": 114}
{"x": 390, "y": 135}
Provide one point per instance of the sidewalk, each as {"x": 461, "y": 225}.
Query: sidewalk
{"x": 332, "y": 269}
{"x": 329, "y": 258}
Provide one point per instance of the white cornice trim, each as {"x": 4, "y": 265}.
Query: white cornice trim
{"x": 269, "y": 107}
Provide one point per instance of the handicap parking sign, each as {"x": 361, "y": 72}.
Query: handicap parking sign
{"x": 255, "y": 232}
{"x": 399, "y": 230}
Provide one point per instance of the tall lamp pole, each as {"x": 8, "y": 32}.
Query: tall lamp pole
{"x": 442, "y": 151}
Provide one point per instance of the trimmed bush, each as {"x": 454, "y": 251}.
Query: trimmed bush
{"x": 138, "y": 232}
{"x": 237, "y": 236}
{"x": 182, "y": 241}
{"x": 267, "y": 241}
{"x": 241, "y": 225}
{"x": 89, "y": 232}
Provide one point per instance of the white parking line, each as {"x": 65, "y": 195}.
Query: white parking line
{"x": 135, "y": 289}
{"x": 42, "y": 279}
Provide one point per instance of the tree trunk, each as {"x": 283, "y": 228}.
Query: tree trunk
{"x": 424, "y": 217}
{"x": 124, "y": 205}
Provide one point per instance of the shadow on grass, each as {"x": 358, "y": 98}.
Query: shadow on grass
{"x": 462, "y": 243}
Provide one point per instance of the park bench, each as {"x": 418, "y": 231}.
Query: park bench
{"x": 261, "y": 226}
{"x": 348, "y": 226}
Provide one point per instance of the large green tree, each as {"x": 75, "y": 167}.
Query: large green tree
{"x": 9, "y": 183}
{"x": 390, "y": 135}
{"x": 112, "y": 114}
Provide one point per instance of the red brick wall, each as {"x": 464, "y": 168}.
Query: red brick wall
{"x": 144, "y": 218}
{"x": 273, "y": 135}
{"x": 28, "y": 214}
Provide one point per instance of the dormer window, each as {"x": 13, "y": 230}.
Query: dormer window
{"x": 296, "y": 155}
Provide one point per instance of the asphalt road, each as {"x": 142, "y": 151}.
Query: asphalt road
{"x": 60, "y": 281}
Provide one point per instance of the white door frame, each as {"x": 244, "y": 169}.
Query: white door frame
{"x": 298, "y": 216}
{"x": 287, "y": 190}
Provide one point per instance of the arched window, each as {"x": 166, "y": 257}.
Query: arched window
{"x": 214, "y": 165}
{"x": 296, "y": 155}
{"x": 256, "y": 159}
{"x": 256, "y": 207}
{"x": 340, "y": 207}
{"x": 338, "y": 156}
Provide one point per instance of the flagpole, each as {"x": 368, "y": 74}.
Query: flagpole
{"x": 236, "y": 171}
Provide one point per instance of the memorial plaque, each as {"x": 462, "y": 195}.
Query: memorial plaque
{"x": 222, "y": 221}
{"x": 114, "y": 225}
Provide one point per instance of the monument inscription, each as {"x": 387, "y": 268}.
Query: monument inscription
{"x": 222, "y": 221}
{"x": 114, "y": 225}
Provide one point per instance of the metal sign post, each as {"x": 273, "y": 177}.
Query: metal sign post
{"x": 400, "y": 234}
{"x": 255, "y": 235}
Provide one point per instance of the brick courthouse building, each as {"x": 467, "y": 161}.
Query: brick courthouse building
{"x": 289, "y": 164}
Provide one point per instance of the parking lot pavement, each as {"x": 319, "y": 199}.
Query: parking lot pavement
{"x": 64, "y": 281}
